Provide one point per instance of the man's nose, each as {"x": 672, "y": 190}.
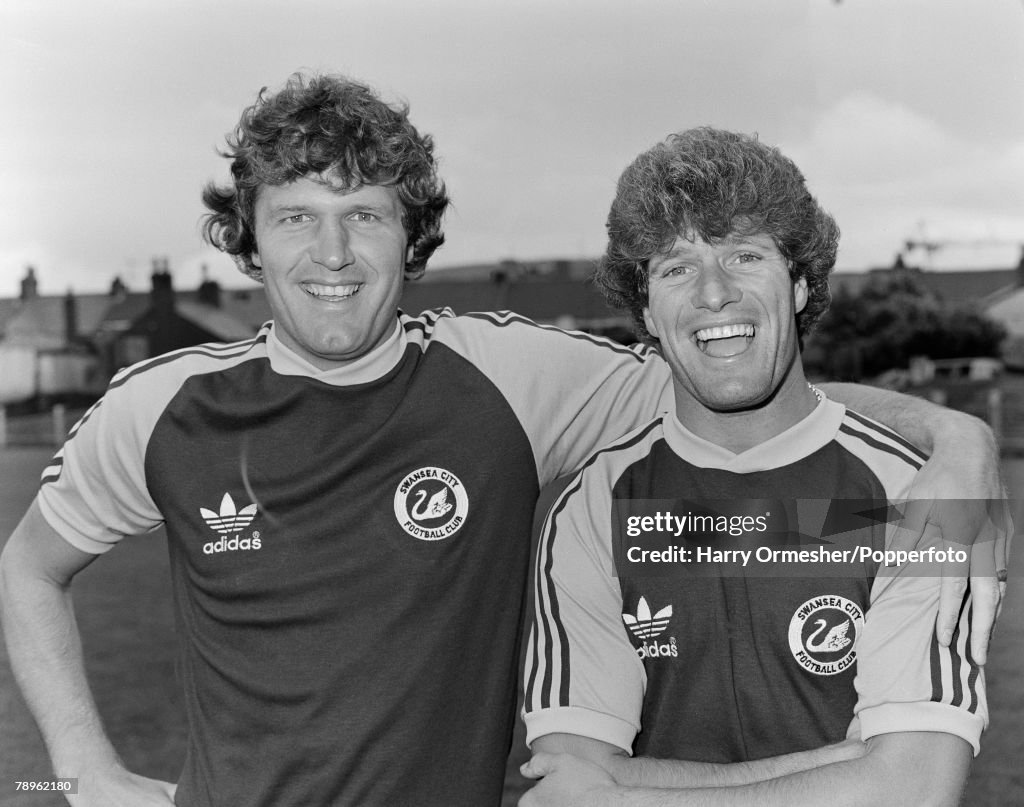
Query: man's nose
{"x": 332, "y": 249}
{"x": 716, "y": 289}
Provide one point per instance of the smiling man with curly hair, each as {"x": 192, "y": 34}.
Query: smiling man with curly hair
{"x": 740, "y": 684}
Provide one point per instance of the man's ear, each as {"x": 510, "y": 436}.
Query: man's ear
{"x": 255, "y": 258}
{"x": 800, "y": 294}
{"x": 649, "y": 322}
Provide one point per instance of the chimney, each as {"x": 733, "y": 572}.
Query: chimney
{"x": 161, "y": 309}
{"x": 163, "y": 290}
{"x": 209, "y": 290}
{"x": 29, "y": 285}
{"x": 118, "y": 289}
{"x": 70, "y": 318}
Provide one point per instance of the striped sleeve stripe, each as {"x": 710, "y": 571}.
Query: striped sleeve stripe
{"x": 972, "y": 675}
{"x": 876, "y": 442}
{"x": 212, "y": 350}
{"x": 425, "y": 322}
{"x": 229, "y": 351}
{"x": 51, "y": 473}
{"x": 548, "y": 629}
{"x": 879, "y": 429}
{"x": 84, "y": 418}
{"x": 954, "y": 671}
{"x": 503, "y": 319}
{"x": 553, "y": 624}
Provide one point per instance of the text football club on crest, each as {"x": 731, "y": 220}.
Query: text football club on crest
{"x": 431, "y": 504}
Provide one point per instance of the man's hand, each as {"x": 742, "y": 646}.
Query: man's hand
{"x": 121, "y": 788}
{"x": 568, "y": 781}
{"x": 981, "y": 526}
{"x": 964, "y": 465}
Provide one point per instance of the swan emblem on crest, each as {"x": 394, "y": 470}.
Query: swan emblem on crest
{"x": 436, "y": 507}
{"x": 835, "y": 640}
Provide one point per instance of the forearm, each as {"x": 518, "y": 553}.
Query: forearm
{"x": 46, "y": 655}
{"x": 928, "y": 426}
{"x": 670, "y": 773}
{"x": 840, "y": 785}
{"x": 894, "y": 772}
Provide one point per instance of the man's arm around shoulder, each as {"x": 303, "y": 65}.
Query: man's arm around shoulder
{"x": 36, "y": 569}
{"x": 959, "y": 490}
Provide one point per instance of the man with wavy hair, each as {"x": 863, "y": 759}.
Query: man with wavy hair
{"x": 347, "y": 497}
{"x": 734, "y": 646}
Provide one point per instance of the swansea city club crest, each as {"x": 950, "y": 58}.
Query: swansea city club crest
{"x": 431, "y": 504}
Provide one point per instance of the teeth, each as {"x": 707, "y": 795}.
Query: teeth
{"x": 724, "y": 332}
{"x": 331, "y": 293}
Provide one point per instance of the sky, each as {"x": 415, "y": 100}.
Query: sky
{"x": 906, "y": 117}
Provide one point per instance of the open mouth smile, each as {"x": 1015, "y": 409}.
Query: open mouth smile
{"x": 723, "y": 341}
{"x": 331, "y": 294}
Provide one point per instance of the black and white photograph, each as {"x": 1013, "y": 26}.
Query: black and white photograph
{"x": 552, "y": 404}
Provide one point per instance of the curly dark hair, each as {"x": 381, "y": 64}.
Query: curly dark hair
{"x": 333, "y": 127}
{"x": 710, "y": 183}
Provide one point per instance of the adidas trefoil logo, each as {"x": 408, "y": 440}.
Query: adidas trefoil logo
{"x": 646, "y": 627}
{"x": 230, "y": 521}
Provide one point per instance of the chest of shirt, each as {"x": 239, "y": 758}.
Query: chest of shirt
{"x": 277, "y": 484}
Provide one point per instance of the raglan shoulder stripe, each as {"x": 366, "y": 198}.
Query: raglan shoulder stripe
{"x": 880, "y": 431}
{"x": 218, "y": 352}
{"x": 422, "y": 326}
{"x": 212, "y": 350}
{"x": 881, "y": 441}
{"x": 504, "y": 319}
{"x": 51, "y": 473}
{"x": 548, "y": 628}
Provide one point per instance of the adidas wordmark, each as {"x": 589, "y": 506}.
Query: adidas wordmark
{"x": 230, "y": 520}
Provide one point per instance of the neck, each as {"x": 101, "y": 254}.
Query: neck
{"x": 742, "y": 429}
{"x": 375, "y": 364}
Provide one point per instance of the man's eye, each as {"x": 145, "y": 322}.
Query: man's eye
{"x": 363, "y": 216}
{"x": 298, "y": 218}
{"x": 675, "y": 271}
{"x": 748, "y": 257}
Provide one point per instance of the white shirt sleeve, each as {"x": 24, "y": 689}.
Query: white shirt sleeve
{"x": 582, "y": 674}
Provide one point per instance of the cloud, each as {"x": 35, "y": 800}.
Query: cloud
{"x": 889, "y": 173}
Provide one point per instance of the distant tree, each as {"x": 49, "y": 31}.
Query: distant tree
{"x": 891, "y": 319}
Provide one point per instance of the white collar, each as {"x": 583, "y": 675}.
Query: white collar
{"x": 375, "y": 364}
{"x": 798, "y": 441}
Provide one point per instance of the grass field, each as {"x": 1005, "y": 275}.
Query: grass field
{"x": 124, "y": 609}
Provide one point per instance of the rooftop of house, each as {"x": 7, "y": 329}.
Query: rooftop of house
{"x": 549, "y": 291}
{"x": 47, "y": 321}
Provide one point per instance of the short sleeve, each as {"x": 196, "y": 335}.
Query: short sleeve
{"x": 582, "y": 675}
{"x": 906, "y": 681}
{"x": 93, "y": 492}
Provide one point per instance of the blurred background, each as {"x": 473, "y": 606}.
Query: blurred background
{"x": 907, "y": 120}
